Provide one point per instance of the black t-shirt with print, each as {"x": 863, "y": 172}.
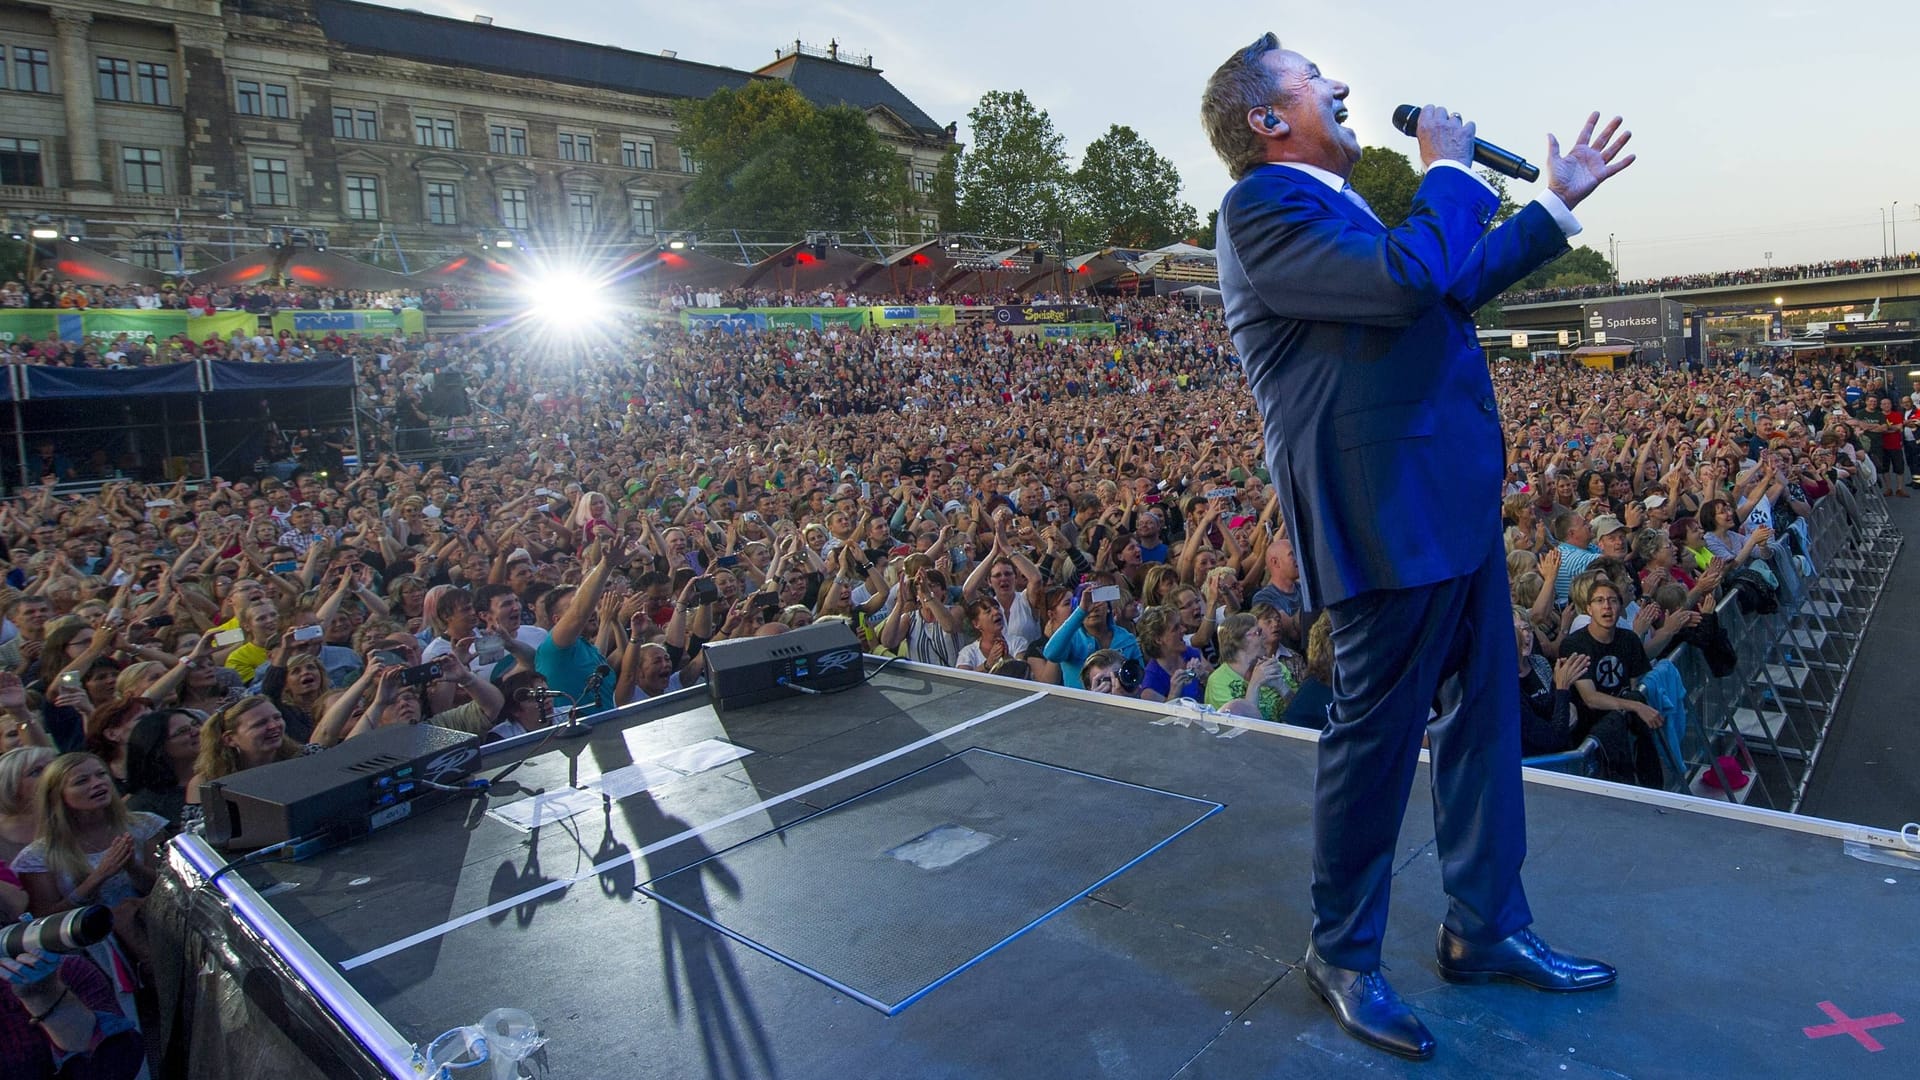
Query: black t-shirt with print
{"x": 1613, "y": 666}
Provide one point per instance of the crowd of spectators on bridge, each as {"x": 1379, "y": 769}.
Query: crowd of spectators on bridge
{"x": 1094, "y": 513}
{"x": 1756, "y": 275}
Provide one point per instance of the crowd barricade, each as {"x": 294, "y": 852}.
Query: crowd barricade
{"x": 1754, "y": 735}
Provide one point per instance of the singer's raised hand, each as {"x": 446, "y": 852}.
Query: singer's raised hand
{"x": 1589, "y": 161}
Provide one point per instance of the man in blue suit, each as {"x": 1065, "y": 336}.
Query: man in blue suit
{"x": 1386, "y": 454}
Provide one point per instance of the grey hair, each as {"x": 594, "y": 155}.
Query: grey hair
{"x": 1241, "y": 84}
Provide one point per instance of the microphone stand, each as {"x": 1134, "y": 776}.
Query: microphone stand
{"x": 575, "y": 728}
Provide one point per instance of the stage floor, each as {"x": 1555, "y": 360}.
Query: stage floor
{"x": 1152, "y": 935}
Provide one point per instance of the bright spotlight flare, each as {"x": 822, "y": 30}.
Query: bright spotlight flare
{"x": 569, "y": 303}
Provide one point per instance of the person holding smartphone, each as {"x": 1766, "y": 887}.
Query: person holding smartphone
{"x": 1088, "y": 630}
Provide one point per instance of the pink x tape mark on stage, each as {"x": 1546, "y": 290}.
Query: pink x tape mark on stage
{"x": 1847, "y": 1025}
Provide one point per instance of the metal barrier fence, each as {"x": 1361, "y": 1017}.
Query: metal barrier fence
{"x": 1770, "y": 716}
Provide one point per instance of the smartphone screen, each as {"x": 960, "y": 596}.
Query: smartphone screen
{"x": 229, "y": 637}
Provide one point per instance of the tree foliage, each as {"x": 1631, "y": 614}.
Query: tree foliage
{"x": 13, "y": 259}
{"x": 1579, "y": 266}
{"x": 769, "y": 160}
{"x": 1127, "y": 195}
{"x": 1385, "y": 178}
{"x": 1013, "y": 181}
{"x": 1208, "y": 235}
{"x": 946, "y": 190}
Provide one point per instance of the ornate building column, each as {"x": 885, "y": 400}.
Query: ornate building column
{"x": 76, "y": 91}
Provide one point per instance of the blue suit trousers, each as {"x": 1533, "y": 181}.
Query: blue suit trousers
{"x": 1400, "y": 654}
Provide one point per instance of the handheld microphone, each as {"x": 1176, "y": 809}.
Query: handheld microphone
{"x": 1504, "y": 162}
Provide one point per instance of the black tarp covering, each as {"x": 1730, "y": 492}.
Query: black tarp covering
{"x": 314, "y": 375}
{"x": 58, "y": 382}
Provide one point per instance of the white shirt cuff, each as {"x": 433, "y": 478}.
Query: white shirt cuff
{"x": 1452, "y": 164}
{"x": 1563, "y": 217}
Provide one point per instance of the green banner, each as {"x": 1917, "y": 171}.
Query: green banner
{"x": 735, "y": 320}
{"x": 222, "y": 325}
{"x": 374, "y": 321}
{"x": 30, "y": 325}
{"x": 109, "y": 323}
{"x": 908, "y": 315}
{"x": 814, "y": 318}
{"x": 1078, "y": 330}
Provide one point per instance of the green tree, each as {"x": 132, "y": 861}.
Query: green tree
{"x": 946, "y": 190}
{"x": 1128, "y": 195}
{"x": 13, "y": 259}
{"x": 1014, "y": 181}
{"x": 1208, "y": 235}
{"x": 1385, "y": 178}
{"x": 770, "y": 161}
{"x": 1498, "y": 183}
{"x": 1579, "y": 266}
{"x": 851, "y": 179}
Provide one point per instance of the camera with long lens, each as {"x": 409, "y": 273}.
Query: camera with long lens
{"x": 68, "y": 932}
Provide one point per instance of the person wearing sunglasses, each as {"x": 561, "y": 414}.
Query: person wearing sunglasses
{"x": 1385, "y": 447}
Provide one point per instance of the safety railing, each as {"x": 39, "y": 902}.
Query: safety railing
{"x": 1753, "y": 734}
{"x": 1769, "y": 718}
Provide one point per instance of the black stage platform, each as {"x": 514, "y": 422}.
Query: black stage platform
{"x": 938, "y": 875}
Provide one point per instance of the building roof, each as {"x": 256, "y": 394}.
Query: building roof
{"x": 827, "y": 83}
{"x": 434, "y": 38}
{"x": 437, "y": 39}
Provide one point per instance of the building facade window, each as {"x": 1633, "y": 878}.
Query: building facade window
{"x": 443, "y": 203}
{"x": 575, "y": 147}
{"x": 687, "y": 164}
{"x": 363, "y": 198}
{"x": 922, "y": 181}
{"x": 580, "y": 211}
{"x": 641, "y": 211}
{"x": 151, "y": 85}
{"x": 271, "y": 184}
{"x": 20, "y": 163}
{"x": 507, "y": 139}
{"x": 437, "y": 131}
{"x": 31, "y": 72}
{"x": 148, "y": 253}
{"x": 354, "y": 123}
{"x": 115, "y": 79}
{"x": 144, "y": 171}
{"x": 246, "y": 98}
{"x": 279, "y": 101}
{"x": 635, "y": 154}
{"x": 516, "y": 211}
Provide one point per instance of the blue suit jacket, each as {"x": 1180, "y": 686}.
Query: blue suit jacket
{"x": 1358, "y": 341}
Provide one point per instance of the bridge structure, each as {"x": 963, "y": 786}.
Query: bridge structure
{"x": 1784, "y": 296}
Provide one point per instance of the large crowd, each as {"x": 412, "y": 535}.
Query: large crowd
{"x": 1093, "y": 513}
{"x": 1755, "y": 275}
{"x": 48, "y": 292}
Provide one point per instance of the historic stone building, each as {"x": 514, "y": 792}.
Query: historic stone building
{"x": 198, "y": 125}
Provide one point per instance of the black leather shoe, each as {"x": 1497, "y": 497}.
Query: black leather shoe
{"x": 1521, "y": 958}
{"x": 1368, "y": 1009}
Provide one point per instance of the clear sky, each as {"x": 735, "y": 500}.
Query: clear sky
{"x": 1780, "y": 126}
